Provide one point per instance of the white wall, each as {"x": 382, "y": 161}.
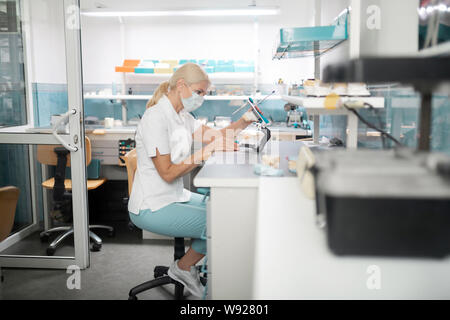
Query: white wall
{"x": 330, "y": 10}
{"x": 161, "y": 38}
{"x": 294, "y": 13}
{"x": 396, "y": 34}
{"x": 46, "y": 49}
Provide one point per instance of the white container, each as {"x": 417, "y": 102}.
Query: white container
{"x": 222, "y": 122}
{"x": 282, "y": 89}
{"x": 109, "y": 123}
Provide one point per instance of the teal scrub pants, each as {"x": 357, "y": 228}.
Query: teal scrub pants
{"x": 178, "y": 219}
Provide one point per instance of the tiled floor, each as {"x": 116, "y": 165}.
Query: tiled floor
{"x": 123, "y": 262}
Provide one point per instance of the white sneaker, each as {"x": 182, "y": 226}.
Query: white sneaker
{"x": 190, "y": 279}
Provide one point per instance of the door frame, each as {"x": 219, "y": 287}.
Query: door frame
{"x": 75, "y": 138}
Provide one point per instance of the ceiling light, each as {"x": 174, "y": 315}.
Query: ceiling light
{"x": 259, "y": 11}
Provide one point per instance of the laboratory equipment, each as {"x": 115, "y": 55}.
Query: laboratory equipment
{"x": 261, "y": 125}
{"x": 124, "y": 147}
{"x": 387, "y": 203}
{"x": 246, "y": 103}
{"x": 294, "y": 116}
{"x": 384, "y": 203}
{"x": 423, "y": 73}
{"x": 294, "y": 90}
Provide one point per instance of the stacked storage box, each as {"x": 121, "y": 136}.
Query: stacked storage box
{"x": 169, "y": 66}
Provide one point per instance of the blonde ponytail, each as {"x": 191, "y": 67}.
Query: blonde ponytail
{"x": 190, "y": 72}
{"x": 162, "y": 89}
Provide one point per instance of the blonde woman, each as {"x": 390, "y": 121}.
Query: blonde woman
{"x": 158, "y": 201}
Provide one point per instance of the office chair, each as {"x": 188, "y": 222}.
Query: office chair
{"x": 8, "y": 203}
{"x": 59, "y": 156}
{"x": 160, "y": 272}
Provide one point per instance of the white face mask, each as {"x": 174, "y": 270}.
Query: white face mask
{"x": 193, "y": 102}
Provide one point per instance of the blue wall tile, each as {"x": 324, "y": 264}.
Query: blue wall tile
{"x": 52, "y": 99}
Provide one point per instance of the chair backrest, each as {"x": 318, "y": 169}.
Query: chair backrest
{"x": 8, "y": 203}
{"x": 131, "y": 164}
{"x": 46, "y": 154}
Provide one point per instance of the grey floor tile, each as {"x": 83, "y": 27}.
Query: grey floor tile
{"x": 123, "y": 262}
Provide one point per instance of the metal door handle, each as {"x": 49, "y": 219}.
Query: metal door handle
{"x": 55, "y": 130}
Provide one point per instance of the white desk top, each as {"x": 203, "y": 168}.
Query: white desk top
{"x": 292, "y": 260}
{"x": 235, "y": 169}
{"x": 131, "y": 129}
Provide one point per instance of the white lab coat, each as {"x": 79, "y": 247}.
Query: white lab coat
{"x": 162, "y": 128}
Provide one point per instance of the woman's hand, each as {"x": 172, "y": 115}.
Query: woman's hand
{"x": 224, "y": 143}
{"x": 249, "y": 116}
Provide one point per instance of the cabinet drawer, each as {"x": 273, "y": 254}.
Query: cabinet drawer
{"x": 97, "y": 143}
{"x": 107, "y": 160}
{"x": 105, "y": 152}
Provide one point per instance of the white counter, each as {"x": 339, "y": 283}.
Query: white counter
{"x": 292, "y": 259}
{"x": 231, "y": 217}
{"x": 235, "y": 169}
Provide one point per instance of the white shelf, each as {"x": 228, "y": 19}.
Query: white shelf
{"x": 148, "y": 97}
{"x": 319, "y": 102}
{"x": 212, "y": 76}
{"x": 235, "y": 78}
{"x": 316, "y": 107}
{"x": 118, "y": 97}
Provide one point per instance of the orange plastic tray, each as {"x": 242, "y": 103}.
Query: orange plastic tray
{"x": 128, "y": 66}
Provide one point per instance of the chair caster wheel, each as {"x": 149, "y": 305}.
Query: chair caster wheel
{"x": 132, "y": 298}
{"x": 160, "y": 271}
{"x": 51, "y": 251}
{"x": 44, "y": 238}
{"x": 112, "y": 234}
{"x": 96, "y": 247}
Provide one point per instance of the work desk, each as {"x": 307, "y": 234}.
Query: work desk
{"x": 105, "y": 142}
{"x": 232, "y": 214}
{"x": 292, "y": 259}
{"x": 225, "y": 169}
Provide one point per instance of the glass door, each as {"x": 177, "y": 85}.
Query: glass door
{"x": 42, "y": 138}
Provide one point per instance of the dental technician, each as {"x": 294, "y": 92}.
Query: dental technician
{"x": 158, "y": 201}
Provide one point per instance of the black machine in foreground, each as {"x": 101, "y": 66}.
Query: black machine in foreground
{"x": 384, "y": 202}
{"x": 387, "y": 202}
